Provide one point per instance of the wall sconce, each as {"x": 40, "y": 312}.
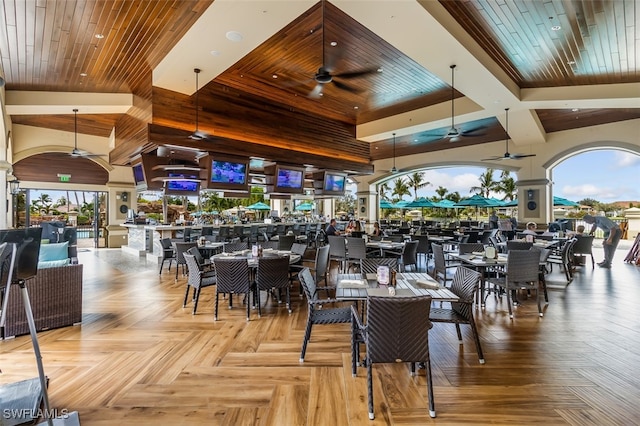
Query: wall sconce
{"x": 14, "y": 187}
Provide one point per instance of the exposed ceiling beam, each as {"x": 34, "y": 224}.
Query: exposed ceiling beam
{"x": 38, "y": 103}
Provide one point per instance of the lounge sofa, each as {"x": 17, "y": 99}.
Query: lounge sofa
{"x": 55, "y": 293}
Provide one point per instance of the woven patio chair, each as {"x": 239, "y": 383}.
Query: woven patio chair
{"x": 397, "y": 330}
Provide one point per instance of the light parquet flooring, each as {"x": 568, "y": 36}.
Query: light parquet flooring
{"x": 139, "y": 358}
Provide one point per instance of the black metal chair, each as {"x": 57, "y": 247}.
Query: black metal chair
{"x": 168, "y": 253}
{"x": 197, "y": 279}
{"x": 234, "y": 277}
{"x": 318, "y": 313}
{"x": 441, "y": 266}
{"x": 180, "y": 248}
{"x": 564, "y": 258}
{"x": 465, "y": 284}
{"x": 410, "y": 255}
{"x": 397, "y": 330}
{"x": 583, "y": 247}
{"x": 338, "y": 250}
{"x": 286, "y": 241}
{"x": 356, "y": 251}
{"x": 273, "y": 274}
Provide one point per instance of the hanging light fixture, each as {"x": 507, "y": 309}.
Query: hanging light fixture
{"x": 393, "y": 169}
{"x": 197, "y": 135}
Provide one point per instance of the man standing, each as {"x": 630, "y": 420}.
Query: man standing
{"x": 612, "y": 235}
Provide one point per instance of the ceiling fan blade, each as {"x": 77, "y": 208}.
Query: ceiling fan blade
{"x": 346, "y": 87}
{"x": 473, "y": 130}
{"x": 494, "y": 159}
{"x": 356, "y": 74}
{"x": 519, "y": 156}
{"x": 316, "y": 93}
{"x": 198, "y": 136}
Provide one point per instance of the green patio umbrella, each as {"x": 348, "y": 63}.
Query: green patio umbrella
{"x": 478, "y": 201}
{"x": 258, "y": 206}
{"x": 384, "y": 204}
{"x": 305, "y": 207}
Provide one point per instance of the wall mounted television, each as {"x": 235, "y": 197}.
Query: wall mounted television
{"x": 334, "y": 183}
{"x": 182, "y": 185}
{"x": 138, "y": 176}
{"x": 226, "y": 173}
{"x": 289, "y": 179}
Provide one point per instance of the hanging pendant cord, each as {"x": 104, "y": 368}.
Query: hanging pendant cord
{"x": 75, "y": 128}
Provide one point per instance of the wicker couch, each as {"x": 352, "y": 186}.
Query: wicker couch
{"x": 56, "y": 299}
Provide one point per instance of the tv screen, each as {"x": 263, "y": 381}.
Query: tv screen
{"x": 228, "y": 172}
{"x": 138, "y": 174}
{"x": 27, "y": 243}
{"x": 334, "y": 182}
{"x": 289, "y": 178}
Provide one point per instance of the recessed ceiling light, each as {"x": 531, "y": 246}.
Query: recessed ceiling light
{"x": 355, "y": 107}
{"x": 571, "y": 62}
{"x": 215, "y": 53}
{"x": 334, "y": 43}
{"x": 379, "y": 69}
{"x": 274, "y": 76}
{"x": 234, "y": 36}
{"x": 575, "y": 109}
{"x": 99, "y": 36}
{"x": 556, "y": 28}
{"x": 83, "y": 74}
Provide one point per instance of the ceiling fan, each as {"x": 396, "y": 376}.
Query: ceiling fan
{"x": 197, "y": 135}
{"x": 75, "y": 152}
{"x": 507, "y": 155}
{"x": 325, "y": 76}
{"x": 455, "y": 133}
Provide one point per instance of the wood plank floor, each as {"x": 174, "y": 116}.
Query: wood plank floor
{"x": 140, "y": 358}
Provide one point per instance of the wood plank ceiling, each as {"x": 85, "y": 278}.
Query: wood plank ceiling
{"x": 52, "y": 46}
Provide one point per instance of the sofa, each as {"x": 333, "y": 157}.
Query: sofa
{"x": 55, "y": 292}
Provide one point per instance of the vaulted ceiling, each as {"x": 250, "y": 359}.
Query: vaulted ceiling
{"x": 389, "y": 62}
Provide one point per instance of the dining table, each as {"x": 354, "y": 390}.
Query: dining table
{"x": 357, "y": 287}
{"x": 482, "y": 264}
{"x": 253, "y": 260}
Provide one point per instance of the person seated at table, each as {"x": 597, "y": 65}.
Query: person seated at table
{"x": 377, "y": 232}
{"x": 579, "y": 231}
{"x": 331, "y": 229}
{"x": 493, "y": 220}
{"x": 351, "y": 226}
{"x": 531, "y": 229}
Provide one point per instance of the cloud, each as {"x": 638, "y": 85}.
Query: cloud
{"x": 626, "y": 159}
{"x": 461, "y": 183}
{"x": 587, "y": 190}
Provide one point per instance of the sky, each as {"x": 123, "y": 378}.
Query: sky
{"x": 603, "y": 175}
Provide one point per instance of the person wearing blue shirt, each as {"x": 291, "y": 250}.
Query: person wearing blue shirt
{"x": 612, "y": 235}
{"x": 331, "y": 229}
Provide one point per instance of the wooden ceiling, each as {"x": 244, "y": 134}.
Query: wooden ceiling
{"x": 50, "y": 46}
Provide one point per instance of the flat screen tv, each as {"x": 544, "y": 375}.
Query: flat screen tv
{"x": 289, "y": 179}
{"x": 182, "y": 185}
{"x": 334, "y": 183}
{"x": 138, "y": 174}
{"x": 227, "y": 173}
{"x": 27, "y": 241}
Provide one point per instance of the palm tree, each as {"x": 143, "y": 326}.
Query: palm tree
{"x": 383, "y": 188}
{"x": 507, "y": 186}
{"x": 441, "y": 191}
{"x": 487, "y": 184}
{"x": 400, "y": 189}
{"x": 415, "y": 181}
{"x": 43, "y": 203}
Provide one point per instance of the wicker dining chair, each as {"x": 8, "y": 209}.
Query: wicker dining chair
{"x": 273, "y": 274}
{"x": 397, "y": 330}
{"x": 234, "y": 277}
{"x": 465, "y": 284}
{"x": 235, "y": 246}
{"x": 180, "y": 248}
{"x": 197, "y": 279}
{"x": 522, "y": 272}
{"x": 168, "y": 253}
{"x": 441, "y": 267}
{"x": 370, "y": 265}
{"x": 318, "y": 313}
{"x": 466, "y": 248}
